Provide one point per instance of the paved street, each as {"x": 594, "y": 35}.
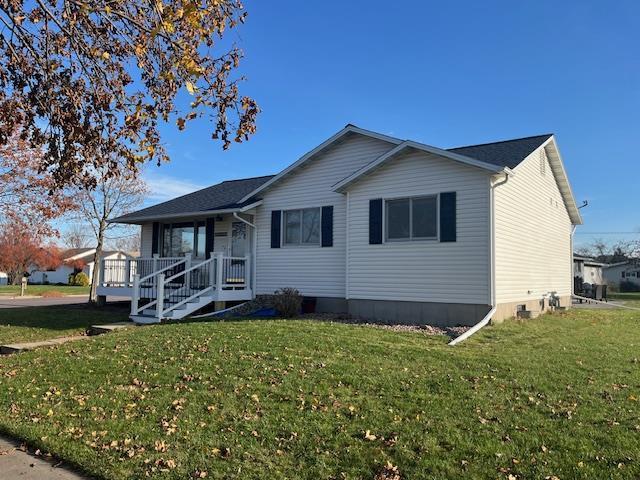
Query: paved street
{"x": 45, "y": 302}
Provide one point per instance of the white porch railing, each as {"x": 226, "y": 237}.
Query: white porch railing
{"x": 120, "y": 272}
{"x": 185, "y": 282}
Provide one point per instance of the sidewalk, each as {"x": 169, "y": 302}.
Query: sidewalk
{"x": 15, "y": 462}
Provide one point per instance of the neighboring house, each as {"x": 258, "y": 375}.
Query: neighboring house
{"x": 3, "y": 278}
{"x": 371, "y": 225}
{"x": 73, "y": 260}
{"x": 588, "y": 270}
{"x": 627, "y": 271}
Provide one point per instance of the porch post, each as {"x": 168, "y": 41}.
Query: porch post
{"x": 219, "y": 267}
{"x": 247, "y": 272}
{"x": 160, "y": 296}
{"x": 134, "y": 294}
{"x": 212, "y": 271}
{"x": 155, "y": 263}
{"x": 127, "y": 272}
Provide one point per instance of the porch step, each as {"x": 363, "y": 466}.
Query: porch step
{"x": 149, "y": 315}
{"x": 144, "y": 319}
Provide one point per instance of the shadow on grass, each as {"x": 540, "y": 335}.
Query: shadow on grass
{"x": 63, "y": 317}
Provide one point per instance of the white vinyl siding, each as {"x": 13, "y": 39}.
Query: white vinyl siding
{"x": 532, "y": 234}
{"x": 429, "y": 270}
{"x": 313, "y": 270}
{"x": 146, "y": 239}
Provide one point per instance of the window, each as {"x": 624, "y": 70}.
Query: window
{"x": 301, "y": 227}
{"x": 180, "y": 239}
{"x": 412, "y": 218}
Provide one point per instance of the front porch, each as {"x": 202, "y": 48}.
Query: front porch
{"x": 173, "y": 287}
{"x": 186, "y": 263}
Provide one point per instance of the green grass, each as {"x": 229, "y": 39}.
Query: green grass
{"x": 558, "y": 395}
{"x": 28, "y": 324}
{"x": 43, "y": 289}
{"x": 631, "y": 299}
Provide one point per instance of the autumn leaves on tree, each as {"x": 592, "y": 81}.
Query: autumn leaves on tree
{"x": 85, "y": 86}
{"x": 90, "y": 82}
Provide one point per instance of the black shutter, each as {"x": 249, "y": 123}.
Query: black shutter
{"x": 209, "y": 231}
{"x": 375, "y": 221}
{"x": 448, "y": 217}
{"x": 327, "y": 227}
{"x": 275, "y": 228}
{"x": 155, "y": 238}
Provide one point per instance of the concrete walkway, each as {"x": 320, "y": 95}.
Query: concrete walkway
{"x": 22, "y": 347}
{"x": 16, "y": 462}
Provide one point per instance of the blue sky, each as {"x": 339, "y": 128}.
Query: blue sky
{"x": 444, "y": 73}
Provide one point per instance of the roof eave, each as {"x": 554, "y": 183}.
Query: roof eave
{"x": 344, "y": 184}
{"x": 169, "y": 216}
{"x": 563, "y": 182}
{"x": 331, "y": 140}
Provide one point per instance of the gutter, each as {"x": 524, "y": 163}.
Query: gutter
{"x": 198, "y": 214}
{"x": 492, "y": 255}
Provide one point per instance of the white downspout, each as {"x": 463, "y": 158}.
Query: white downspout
{"x": 492, "y": 255}
{"x": 573, "y": 232}
{"x": 254, "y": 252}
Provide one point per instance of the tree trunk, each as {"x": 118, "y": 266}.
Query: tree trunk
{"x": 95, "y": 278}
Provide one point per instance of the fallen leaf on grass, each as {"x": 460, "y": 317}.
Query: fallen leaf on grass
{"x": 388, "y": 472}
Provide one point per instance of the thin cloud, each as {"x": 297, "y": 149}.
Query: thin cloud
{"x": 164, "y": 187}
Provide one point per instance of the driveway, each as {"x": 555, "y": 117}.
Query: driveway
{"x": 47, "y": 302}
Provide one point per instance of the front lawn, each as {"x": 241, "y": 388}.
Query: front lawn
{"x": 631, "y": 299}
{"x": 39, "y": 290}
{"x": 555, "y": 397}
{"x": 29, "y": 324}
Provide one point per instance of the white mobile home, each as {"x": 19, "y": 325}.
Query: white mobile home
{"x": 371, "y": 225}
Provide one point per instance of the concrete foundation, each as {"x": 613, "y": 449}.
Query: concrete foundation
{"x": 331, "y": 305}
{"x": 418, "y": 313}
{"x": 535, "y": 307}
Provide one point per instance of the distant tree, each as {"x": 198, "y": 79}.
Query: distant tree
{"x": 129, "y": 243}
{"x": 22, "y": 253}
{"x": 24, "y": 190}
{"x": 112, "y": 197}
{"x": 77, "y": 236}
{"x": 92, "y": 80}
{"x": 611, "y": 252}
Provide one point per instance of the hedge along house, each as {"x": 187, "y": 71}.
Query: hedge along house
{"x": 371, "y": 225}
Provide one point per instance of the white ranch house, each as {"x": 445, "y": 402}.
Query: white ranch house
{"x": 368, "y": 224}
{"x": 82, "y": 256}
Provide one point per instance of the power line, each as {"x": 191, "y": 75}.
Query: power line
{"x": 607, "y": 233}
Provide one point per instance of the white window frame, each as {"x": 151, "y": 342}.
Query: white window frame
{"x": 283, "y": 227}
{"x": 411, "y": 238}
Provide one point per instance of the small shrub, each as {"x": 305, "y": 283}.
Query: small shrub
{"x": 287, "y": 301}
{"x": 79, "y": 279}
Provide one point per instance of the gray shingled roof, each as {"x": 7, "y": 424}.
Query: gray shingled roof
{"x": 224, "y": 195}
{"x": 508, "y": 153}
